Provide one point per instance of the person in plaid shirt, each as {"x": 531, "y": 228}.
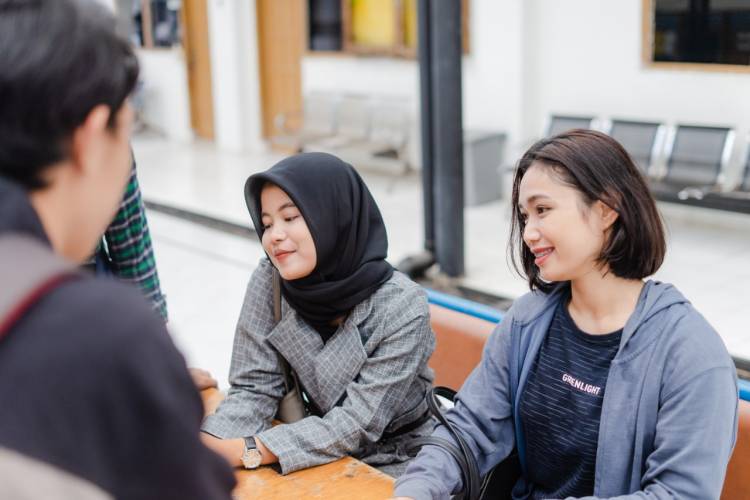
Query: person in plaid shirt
{"x": 126, "y": 251}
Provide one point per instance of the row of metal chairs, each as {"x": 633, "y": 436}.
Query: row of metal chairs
{"x": 683, "y": 163}
{"x": 363, "y": 130}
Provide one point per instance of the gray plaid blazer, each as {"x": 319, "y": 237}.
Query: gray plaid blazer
{"x": 382, "y": 382}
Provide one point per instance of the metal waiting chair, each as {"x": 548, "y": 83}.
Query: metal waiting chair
{"x": 561, "y": 123}
{"x": 386, "y": 143}
{"x": 642, "y": 140}
{"x": 697, "y": 159}
{"x": 735, "y": 200}
{"x": 744, "y": 184}
{"x": 352, "y": 125}
{"x": 371, "y": 133}
{"x": 741, "y": 190}
{"x": 316, "y": 122}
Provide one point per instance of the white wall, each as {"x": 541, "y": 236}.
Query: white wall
{"x": 491, "y": 71}
{"x": 235, "y": 76}
{"x": 165, "y": 97}
{"x": 584, "y": 56}
{"x": 166, "y": 100}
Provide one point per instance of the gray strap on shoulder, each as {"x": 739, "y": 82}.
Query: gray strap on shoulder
{"x": 286, "y": 370}
{"x": 276, "y": 281}
{"x": 27, "y": 269}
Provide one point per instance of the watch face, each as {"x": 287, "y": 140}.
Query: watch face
{"x": 251, "y": 458}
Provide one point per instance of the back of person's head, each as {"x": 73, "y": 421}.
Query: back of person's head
{"x": 599, "y": 169}
{"x": 59, "y": 59}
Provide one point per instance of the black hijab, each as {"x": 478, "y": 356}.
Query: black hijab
{"x": 346, "y": 226}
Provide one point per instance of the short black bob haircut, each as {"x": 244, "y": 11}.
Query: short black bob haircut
{"x": 600, "y": 169}
{"x": 59, "y": 59}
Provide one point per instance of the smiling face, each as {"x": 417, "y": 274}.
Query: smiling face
{"x": 565, "y": 235}
{"x": 286, "y": 237}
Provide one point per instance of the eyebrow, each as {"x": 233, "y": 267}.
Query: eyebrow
{"x": 534, "y": 197}
{"x": 288, "y": 204}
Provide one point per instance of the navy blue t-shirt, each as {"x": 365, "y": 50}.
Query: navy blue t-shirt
{"x": 561, "y": 406}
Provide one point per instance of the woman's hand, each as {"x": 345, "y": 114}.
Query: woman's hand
{"x": 202, "y": 379}
{"x": 230, "y": 449}
{"x": 266, "y": 456}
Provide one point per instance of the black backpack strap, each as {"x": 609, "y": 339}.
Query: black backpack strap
{"x": 459, "y": 450}
{"x": 28, "y": 271}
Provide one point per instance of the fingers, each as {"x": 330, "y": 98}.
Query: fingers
{"x": 202, "y": 379}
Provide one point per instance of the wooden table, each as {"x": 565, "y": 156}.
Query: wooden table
{"x": 346, "y": 478}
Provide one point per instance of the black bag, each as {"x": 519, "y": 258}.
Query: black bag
{"x": 497, "y": 484}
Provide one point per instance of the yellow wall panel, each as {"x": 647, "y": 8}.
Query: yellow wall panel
{"x": 373, "y": 22}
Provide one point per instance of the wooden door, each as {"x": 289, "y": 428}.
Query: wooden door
{"x": 281, "y": 35}
{"x": 198, "y": 59}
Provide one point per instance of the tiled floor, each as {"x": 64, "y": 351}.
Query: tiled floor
{"x": 204, "y": 272}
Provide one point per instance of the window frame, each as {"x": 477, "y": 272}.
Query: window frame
{"x": 647, "y": 44}
{"x": 398, "y": 50}
{"x": 147, "y": 41}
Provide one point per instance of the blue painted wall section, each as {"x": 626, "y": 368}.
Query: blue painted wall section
{"x": 744, "y": 389}
{"x": 464, "y": 306}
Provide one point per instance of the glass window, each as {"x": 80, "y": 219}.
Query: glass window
{"x": 701, "y": 31}
{"x": 374, "y": 27}
{"x": 150, "y": 23}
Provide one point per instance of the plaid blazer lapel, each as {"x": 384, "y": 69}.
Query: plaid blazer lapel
{"x": 297, "y": 342}
{"x": 337, "y": 365}
{"x": 324, "y": 370}
{"x": 341, "y": 359}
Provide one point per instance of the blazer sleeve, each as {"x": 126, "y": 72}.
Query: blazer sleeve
{"x": 257, "y": 383}
{"x": 372, "y": 399}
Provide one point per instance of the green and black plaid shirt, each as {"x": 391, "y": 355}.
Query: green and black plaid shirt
{"x": 128, "y": 244}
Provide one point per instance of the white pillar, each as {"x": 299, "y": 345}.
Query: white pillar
{"x": 235, "y": 74}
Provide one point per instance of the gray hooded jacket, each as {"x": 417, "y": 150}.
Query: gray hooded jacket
{"x": 669, "y": 415}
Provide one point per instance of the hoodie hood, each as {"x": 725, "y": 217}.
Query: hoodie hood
{"x": 655, "y": 298}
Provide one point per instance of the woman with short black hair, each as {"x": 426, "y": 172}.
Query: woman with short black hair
{"x": 604, "y": 384}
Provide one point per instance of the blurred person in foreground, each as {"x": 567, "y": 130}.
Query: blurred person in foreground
{"x": 97, "y": 401}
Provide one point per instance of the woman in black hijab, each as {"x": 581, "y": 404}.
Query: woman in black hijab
{"x": 355, "y": 331}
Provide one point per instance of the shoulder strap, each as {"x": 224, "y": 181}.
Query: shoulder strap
{"x": 458, "y": 449}
{"x": 276, "y": 283}
{"x": 28, "y": 271}
{"x": 286, "y": 370}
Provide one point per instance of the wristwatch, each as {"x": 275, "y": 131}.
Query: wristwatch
{"x": 251, "y": 456}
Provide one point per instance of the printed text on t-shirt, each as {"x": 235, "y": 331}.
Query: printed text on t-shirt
{"x": 581, "y": 385}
